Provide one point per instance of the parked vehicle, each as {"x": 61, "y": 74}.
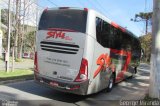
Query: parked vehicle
{"x": 81, "y": 51}
{"x": 26, "y": 55}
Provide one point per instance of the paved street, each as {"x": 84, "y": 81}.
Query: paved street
{"x": 132, "y": 88}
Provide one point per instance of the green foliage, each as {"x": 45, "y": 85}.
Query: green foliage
{"x": 15, "y": 75}
{"x": 146, "y": 42}
{"x": 18, "y": 60}
{"x": 29, "y": 41}
{"x": 144, "y": 15}
{"x": 29, "y": 33}
{"x": 4, "y": 17}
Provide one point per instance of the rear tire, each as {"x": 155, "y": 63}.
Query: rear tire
{"x": 135, "y": 70}
{"x": 111, "y": 83}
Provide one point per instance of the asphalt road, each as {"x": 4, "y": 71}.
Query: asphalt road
{"x": 30, "y": 93}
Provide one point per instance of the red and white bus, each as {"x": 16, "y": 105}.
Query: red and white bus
{"x": 80, "y": 51}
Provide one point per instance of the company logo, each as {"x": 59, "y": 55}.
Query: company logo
{"x": 58, "y": 34}
{"x": 103, "y": 61}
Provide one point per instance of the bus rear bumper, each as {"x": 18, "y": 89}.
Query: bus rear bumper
{"x": 79, "y": 88}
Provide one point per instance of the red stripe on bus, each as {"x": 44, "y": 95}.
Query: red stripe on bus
{"x": 123, "y": 29}
{"x": 115, "y": 25}
{"x": 120, "y": 52}
{"x": 85, "y": 9}
{"x": 61, "y": 29}
{"x": 128, "y": 60}
{"x": 118, "y": 26}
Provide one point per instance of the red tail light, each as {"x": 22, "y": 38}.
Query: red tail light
{"x": 83, "y": 72}
{"x": 35, "y": 63}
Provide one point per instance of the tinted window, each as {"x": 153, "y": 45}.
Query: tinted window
{"x": 110, "y": 37}
{"x": 66, "y": 19}
{"x": 107, "y": 35}
{"x": 99, "y": 30}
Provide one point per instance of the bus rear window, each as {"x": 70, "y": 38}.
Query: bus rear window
{"x": 64, "y": 19}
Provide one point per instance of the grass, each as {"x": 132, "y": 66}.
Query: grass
{"x": 1, "y": 60}
{"x": 17, "y": 74}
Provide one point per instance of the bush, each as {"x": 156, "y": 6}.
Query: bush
{"x": 18, "y": 60}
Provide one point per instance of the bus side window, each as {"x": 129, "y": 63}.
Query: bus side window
{"x": 106, "y": 34}
{"x": 103, "y": 33}
{"x": 99, "y": 30}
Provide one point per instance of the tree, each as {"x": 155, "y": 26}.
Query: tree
{"x": 29, "y": 41}
{"x": 154, "y": 88}
{"x": 147, "y": 17}
{"x": 17, "y": 21}
{"x": 21, "y": 10}
{"x": 25, "y": 9}
{"x": 146, "y": 42}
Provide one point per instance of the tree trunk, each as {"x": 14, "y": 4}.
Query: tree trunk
{"x": 13, "y": 59}
{"x": 17, "y": 32}
{"x": 20, "y": 31}
{"x": 22, "y": 37}
{"x": 13, "y": 46}
{"x": 154, "y": 89}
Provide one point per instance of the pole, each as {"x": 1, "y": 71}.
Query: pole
{"x": 154, "y": 88}
{"x": 146, "y": 26}
{"x": 8, "y": 39}
{"x": 0, "y": 35}
{"x": 0, "y": 16}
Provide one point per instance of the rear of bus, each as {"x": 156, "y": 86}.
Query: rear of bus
{"x": 60, "y": 42}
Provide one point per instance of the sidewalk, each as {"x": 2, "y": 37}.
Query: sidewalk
{"x": 26, "y": 64}
{"x": 142, "y": 83}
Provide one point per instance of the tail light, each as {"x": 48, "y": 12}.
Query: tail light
{"x": 35, "y": 63}
{"x": 83, "y": 72}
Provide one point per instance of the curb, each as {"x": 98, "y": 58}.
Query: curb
{"x": 15, "y": 80}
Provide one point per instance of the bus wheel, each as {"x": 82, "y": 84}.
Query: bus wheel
{"x": 135, "y": 70}
{"x": 111, "y": 83}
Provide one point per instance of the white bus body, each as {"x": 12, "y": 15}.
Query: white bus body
{"x": 69, "y": 57}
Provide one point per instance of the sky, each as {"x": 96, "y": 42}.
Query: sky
{"x": 119, "y": 11}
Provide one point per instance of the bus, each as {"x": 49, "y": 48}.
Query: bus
{"x": 80, "y": 51}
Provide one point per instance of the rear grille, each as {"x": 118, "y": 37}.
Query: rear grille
{"x": 59, "y": 47}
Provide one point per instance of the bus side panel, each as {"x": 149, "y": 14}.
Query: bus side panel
{"x": 97, "y": 83}
{"x": 100, "y": 81}
{"x": 88, "y": 54}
